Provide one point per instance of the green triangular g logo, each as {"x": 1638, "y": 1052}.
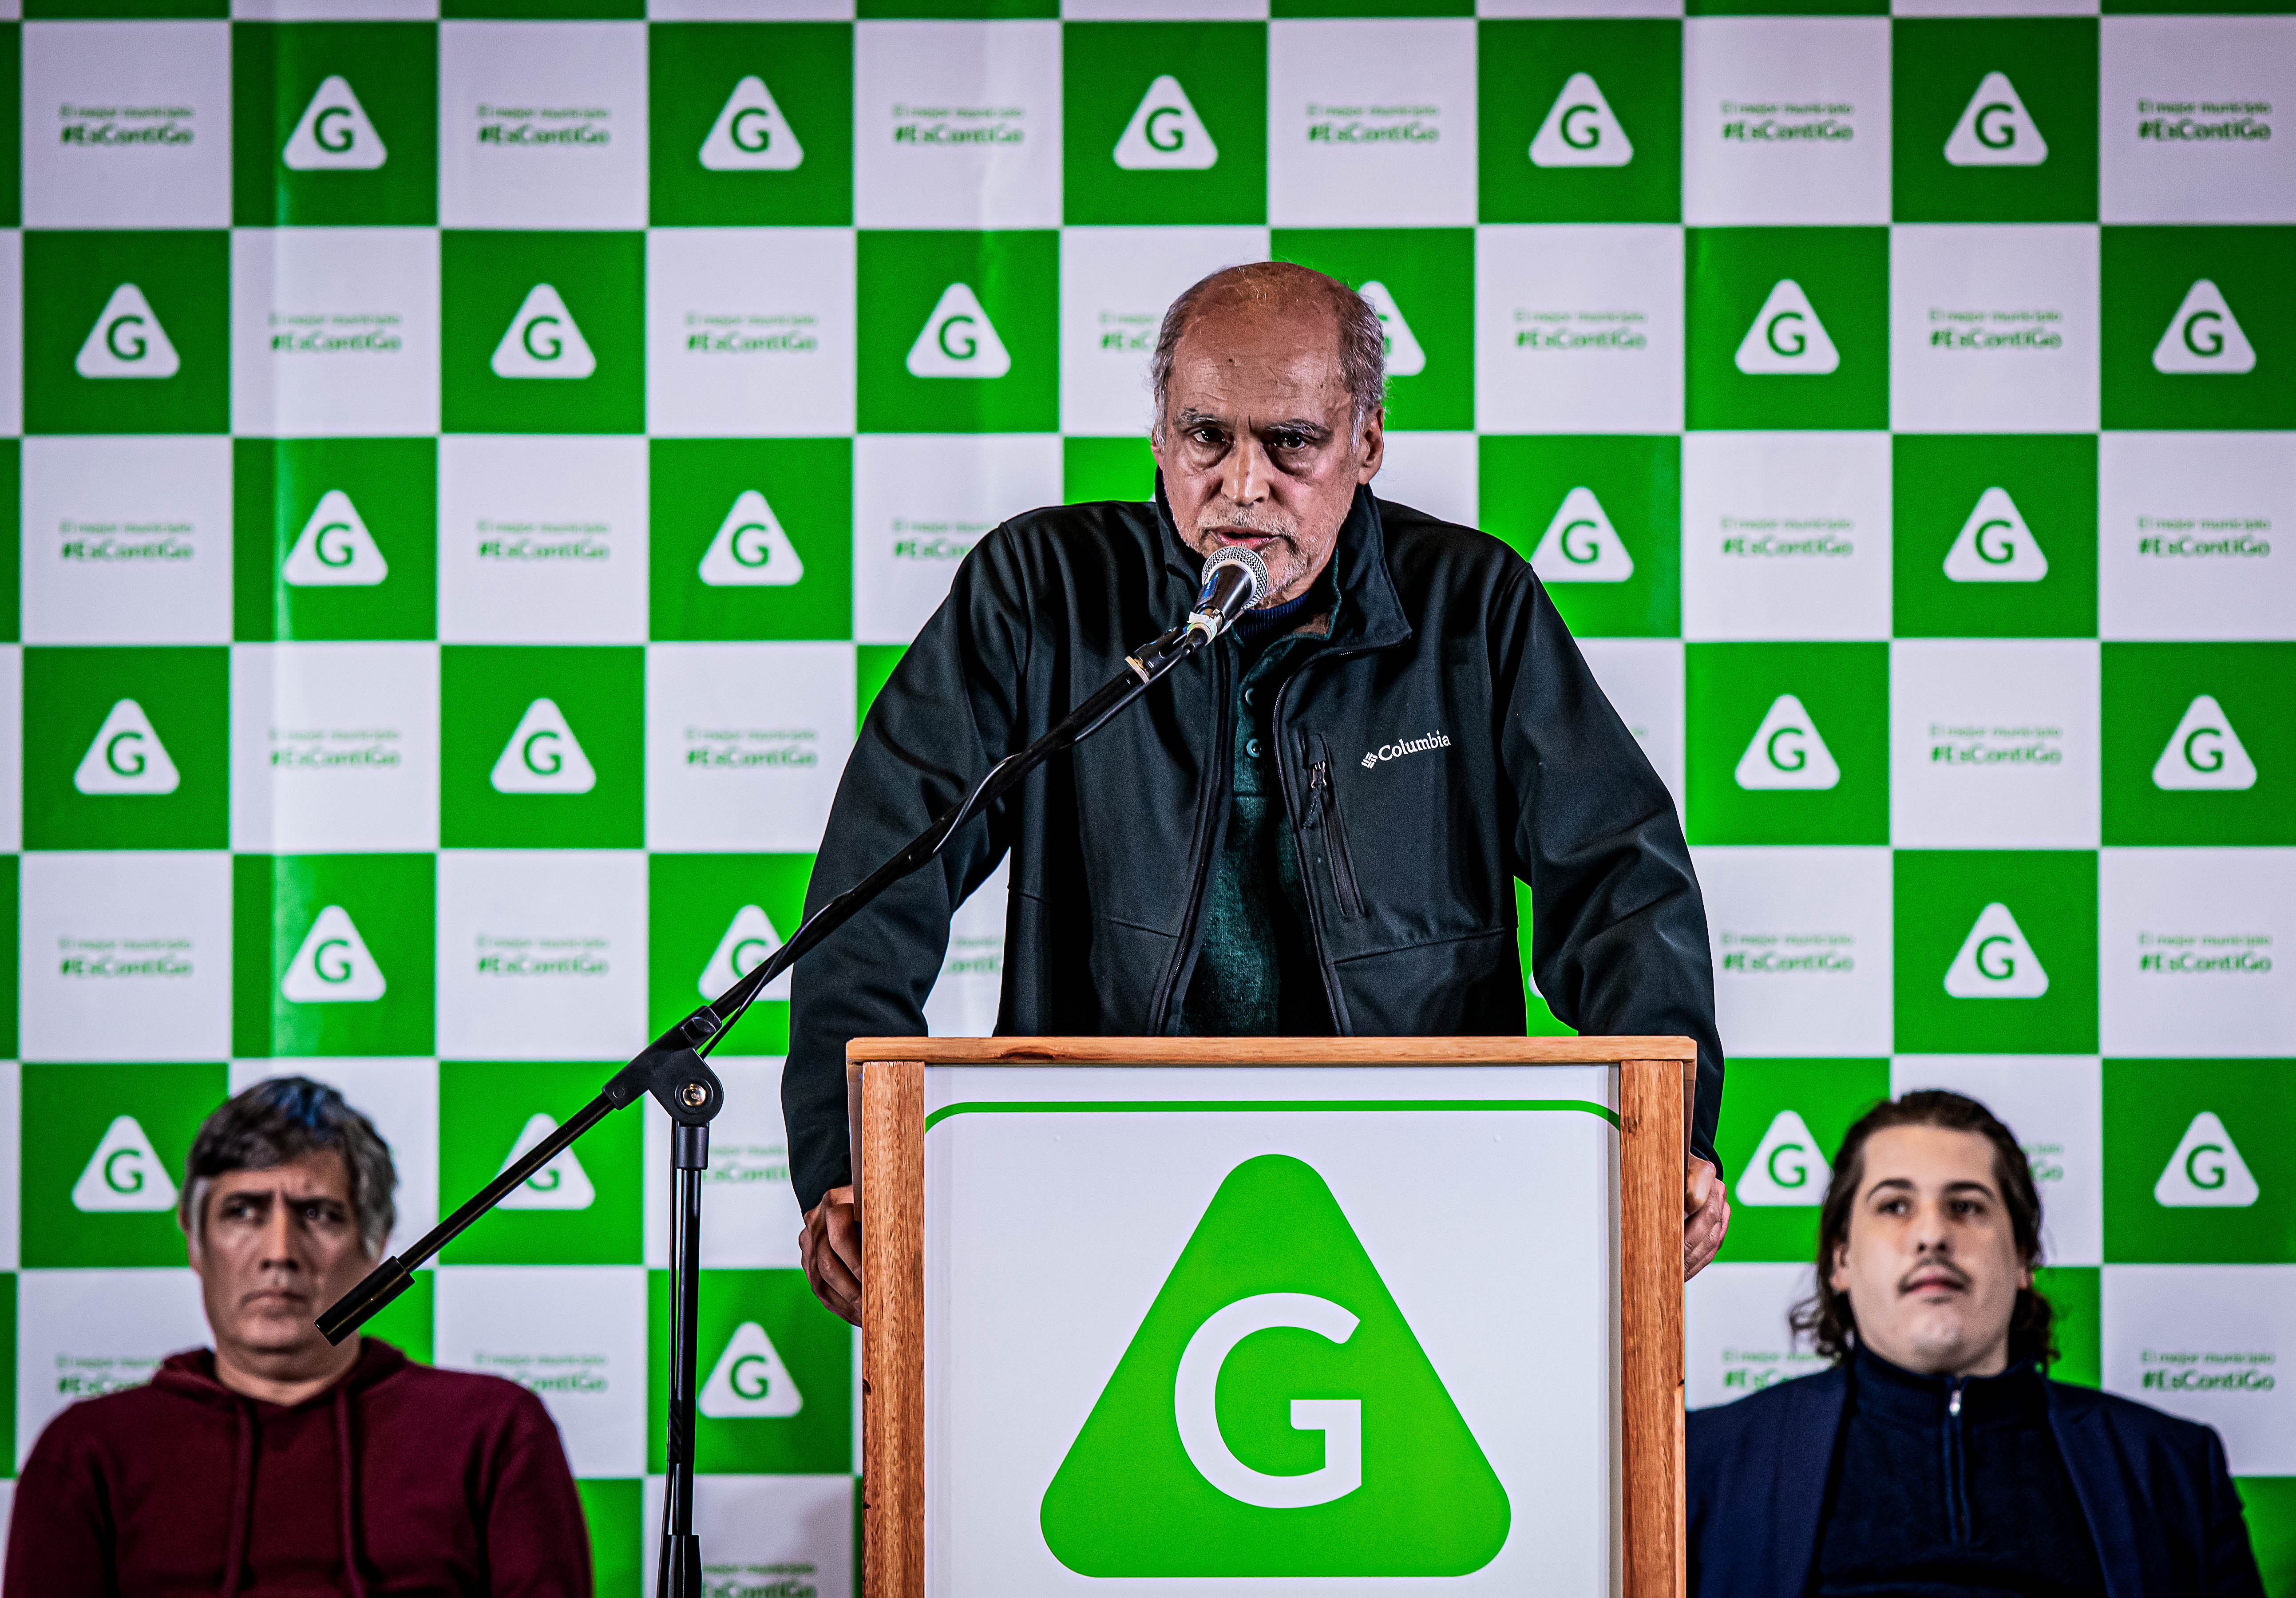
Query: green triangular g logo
{"x": 1273, "y": 1415}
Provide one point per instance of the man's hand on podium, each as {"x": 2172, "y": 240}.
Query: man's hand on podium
{"x": 1705, "y": 1215}
{"x": 831, "y": 1248}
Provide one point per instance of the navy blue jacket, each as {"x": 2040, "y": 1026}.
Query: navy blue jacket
{"x": 2155, "y": 1490}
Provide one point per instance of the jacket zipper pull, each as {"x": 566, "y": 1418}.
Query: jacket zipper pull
{"x": 1953, "y": 1399}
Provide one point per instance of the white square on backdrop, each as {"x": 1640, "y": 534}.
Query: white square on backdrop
{"x": 1994, "y": 743}
{"x": 11, "y": 1193}
{"x": 2196, "y": 118}
{"x": 2196, "y": 536}
{"x": 2162, "y": 1320}
{"x": 745, "y": 743}
{"x": 542, "y": 124}
{"x": 578, "y": 915}
{"x": 81, "y": 1332}
{"x": 127, "y": 956}
{"x": 1116, "y": 284}
{"x": 967, "y": 994}
{"x": 921, "y": 502}
{"x": 126, "y": 540}
{"x": 750, "y": 1214}
{"x": 334, "y": 746}
{"x": 1993, "y": 329}
{"x": 401, "y": 1097}
{"x": 1734, "y": 1335}
{"x": 1579, "y": 329}
{"x": 763, "y": 1532}
{"x": 126, "y": 125}
{"x": 527, "y": 1323}
{"x": 1786, "y": 535}
{"x": 2195, "y": 946}
{"x": 1786, "y": 120}
{"x": 2055, "y": 1105}
{"x": 542, "y": 539}
{"x": 750, "y": 332}
{"x": 1801, "y": 944}
{"x": 1433, "y": 472}
{"x": 334, "y": 330}
{"x": 1641, "y": 677}
{"x": 1371, "y": 123}
{"x": 957, "y": 124}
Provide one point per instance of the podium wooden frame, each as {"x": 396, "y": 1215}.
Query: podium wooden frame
{"x": 1658, "y": 1079}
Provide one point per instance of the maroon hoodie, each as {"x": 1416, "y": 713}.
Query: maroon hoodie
{"x": 399, "y": 1480}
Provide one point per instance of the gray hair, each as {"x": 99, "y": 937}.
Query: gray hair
{"x": 283, "y": 1119}
{"x": 1362, "y": 341}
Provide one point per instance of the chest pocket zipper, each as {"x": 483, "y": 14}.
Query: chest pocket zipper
{"x": 1323, "y": 811}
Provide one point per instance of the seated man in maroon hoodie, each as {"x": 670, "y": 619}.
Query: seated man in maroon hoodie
{"x": 277, "y": 1464}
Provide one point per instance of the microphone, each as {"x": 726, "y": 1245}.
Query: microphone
{"x": 1235, "y": 579}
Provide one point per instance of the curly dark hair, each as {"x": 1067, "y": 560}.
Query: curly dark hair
{"x": 283, "y": 1118}
{"x": 1825, "y": 1318}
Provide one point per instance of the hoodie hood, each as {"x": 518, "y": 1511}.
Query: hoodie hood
{"x": 192, "y": 1374}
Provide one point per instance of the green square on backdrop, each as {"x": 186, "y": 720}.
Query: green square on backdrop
{"x": 542, "y": 332}
{"x": 719, "y": 570}
{"x": 1767, "y": 721}
{"x": 1939, "y": 897}
{"x": 777, "y": 1374}
{"x": 517, "y": 726}
{"x": 2076, "y": 1295}
{"x": 1164, "y": 122}
{"x": 957, "y": 333}
{"x": 285, "y": 491}
{"x": 1940, "y": 486}
{"x": 127, "y": 332}
{"x": 2198, "y": 1166}
{"x": 334, "y": 122}
{"x": 2200, "y": 743}
{"x": 1781, "y": 1124}
{"x": 1741, "y": 293}
{"x": 1422, "y": 281}
{"x": 2269, "y": 1502}
{"x": 1609, "y": 88}
{"x": 872, "y": 669}
{"x": 783, "y": 94}
{"x": 1962, "y": 145}
{"x": 75, "y": 10}
{"x": 127, "y": 748}
{"x": 582, "y": 1209}
{"x": 409, "y": 1323}
{"x": 1097, "y": 469}
{"x": 2165, "y": 293}
{"x": 332, "y": 955}
{"x": 710, "y": 919}
{"x": 1636, "y": 482}
{"x": 614, "y": 1509}
{"x": 103, "y": 1149}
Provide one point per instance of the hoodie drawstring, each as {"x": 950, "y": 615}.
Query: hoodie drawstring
{"x": 344, "y": 1488}
{"x": 242, "y": 1498}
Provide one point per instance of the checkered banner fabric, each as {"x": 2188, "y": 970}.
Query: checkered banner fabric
{"x": 475, "y": 470}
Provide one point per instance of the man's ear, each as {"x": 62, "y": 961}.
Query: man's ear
{"x": 1837, "y": 1274}
{"x": 1372, "y": 445}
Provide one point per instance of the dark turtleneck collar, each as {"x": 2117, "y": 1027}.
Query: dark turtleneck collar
{"x": 1893, "y": 1394}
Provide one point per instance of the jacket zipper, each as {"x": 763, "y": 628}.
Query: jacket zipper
{"x": 1325, "y": 795}
{"x": 1302, "y": 818}
{"x": 1218, "y": 783}
{"x": 1956, "y": 1488}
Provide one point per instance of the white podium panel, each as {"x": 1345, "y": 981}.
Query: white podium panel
{"x": 1351, "y": 1328}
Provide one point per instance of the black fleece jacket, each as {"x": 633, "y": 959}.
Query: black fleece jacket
{"x": 1444, "y": 742}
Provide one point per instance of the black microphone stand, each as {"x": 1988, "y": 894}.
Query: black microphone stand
{"x": 675, "y": 1070}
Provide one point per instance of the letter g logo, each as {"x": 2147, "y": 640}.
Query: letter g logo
{"x": 2204, "y": 343}
{"x": 1987, "y": 960}
{"x": 129, "y": 348}
{"x": 535, "y": 757}
{"x": 1777, "y": 341}
{"x": 1161, "y": 138}
{"x": 2211, "y": 758}
{"x": 972, "y": 345}
{"x": 2208, "y": 1175}
{"x": 554, "y": 345}
{"x": 1572, "y": 133}
{"x": 127, "y": 762}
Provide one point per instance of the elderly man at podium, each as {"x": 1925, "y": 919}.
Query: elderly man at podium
{"x": 1316, "y": 829}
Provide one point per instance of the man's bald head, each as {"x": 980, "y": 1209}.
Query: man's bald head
{"x": 1281, "y": 290}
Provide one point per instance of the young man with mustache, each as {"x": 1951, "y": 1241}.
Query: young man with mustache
{"x": 1223, "y": 859}
{"x": 1934, "y": 1457}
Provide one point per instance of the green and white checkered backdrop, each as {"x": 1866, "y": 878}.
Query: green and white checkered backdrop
{"x": 475, "y": 471}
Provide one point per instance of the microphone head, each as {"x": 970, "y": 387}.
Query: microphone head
{"x": 1252, "y": 566}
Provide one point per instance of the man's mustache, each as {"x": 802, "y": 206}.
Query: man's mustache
{"x": 1952, "y": 1272}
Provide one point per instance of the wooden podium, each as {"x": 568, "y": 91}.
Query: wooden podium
{"x": 1021, "y": 1200}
